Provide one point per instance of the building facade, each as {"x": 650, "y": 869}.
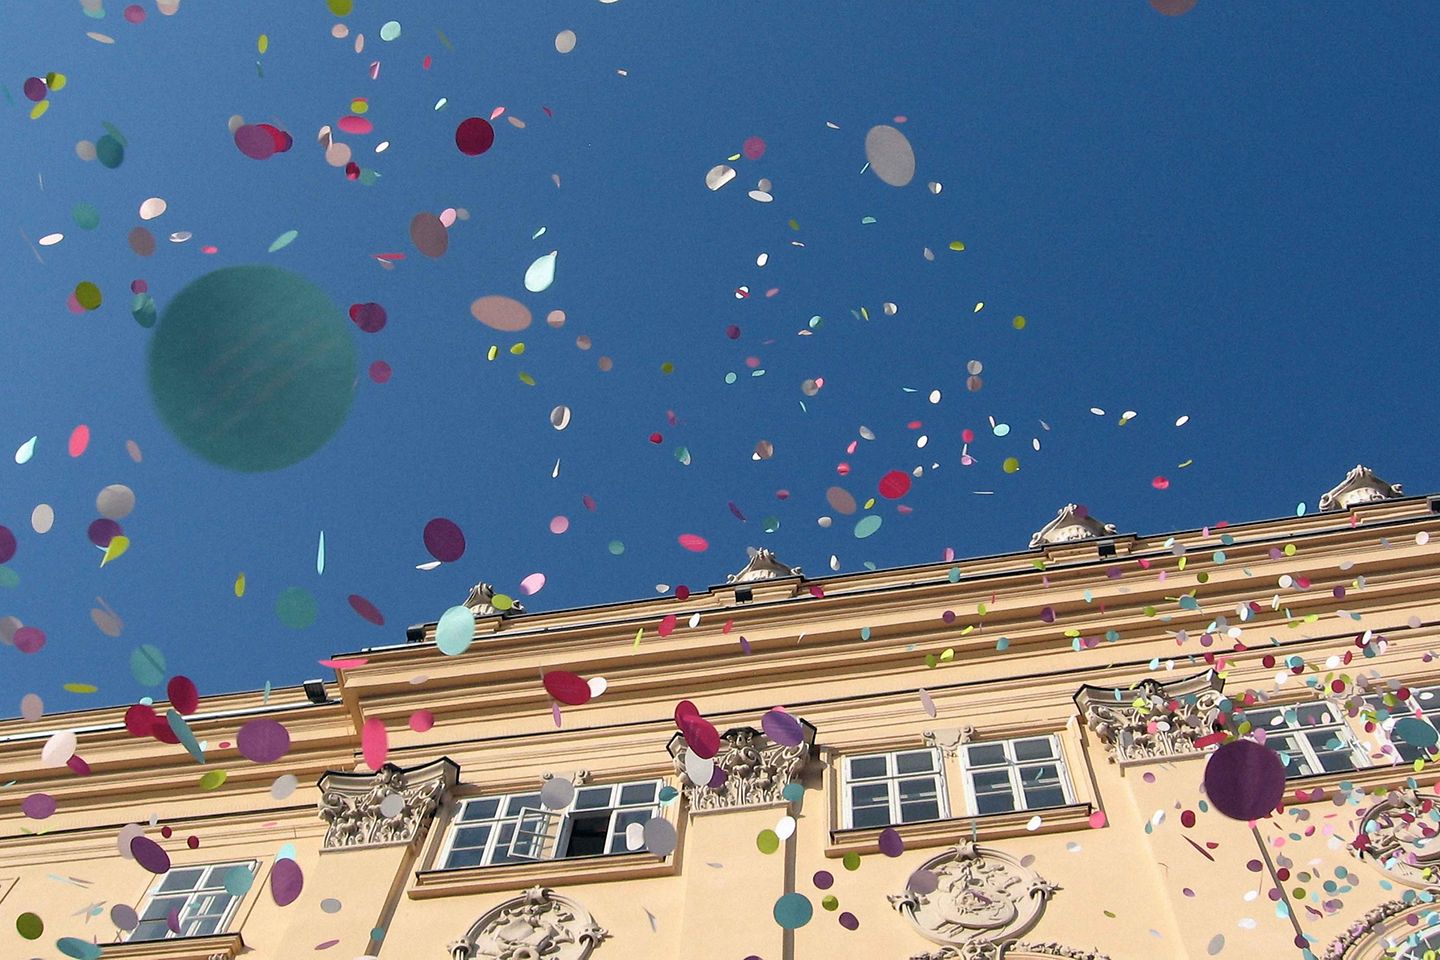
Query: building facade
{"x": 1001, "y": 757}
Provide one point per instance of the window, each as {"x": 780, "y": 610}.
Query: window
{"x": 1026, "y": 773}
{"x": 517, "y": 827}
{"x": 199, "y": 898}
{"x": 1311, "y": 738}
{"x": 882, "y": 789}
{"x": 1423, "y": 704}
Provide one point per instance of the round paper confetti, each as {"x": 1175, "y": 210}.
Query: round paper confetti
{"x": 568, "y": 688}
{"x": 296, "y": 608}
{"x": 252, "y": 368}
{"x": 793, "y": 910}
{"x": 455, "y": 630}
{"x": 660, "y": 836}
{"x": 1244, "y": 780}
{"x": 38, "y": 806}
{"x": 565, "y": 41}
{"x": 286, "y": 882}
{"x": 474, "y": 136}
{"x": 149, "y": 854}
{"x": 444, "y": 540}
{"x": 532, "y": 584}
{"x": 782, "y": 728}
{"x": 694, "y": 542}
{"x": 262, "y": 740}
{"x": 890, "y": 155}
{"x": 867, "y": 525}
{"x": 115, "y": 502}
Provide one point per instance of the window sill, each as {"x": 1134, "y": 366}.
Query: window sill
{"x": 516, "y": 876}
{"x": 1323, "y": 786}
{"x": 942, "y": 833}
{"x": 221, "y": 945}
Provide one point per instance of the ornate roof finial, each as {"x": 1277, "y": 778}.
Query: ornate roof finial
{"x": 482, "y": 602}
{"x": 763, "y": 565}
{"x": 1359, "y": 486}
{"x": 1072, "y": 522}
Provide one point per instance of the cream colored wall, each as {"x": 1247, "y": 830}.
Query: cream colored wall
{"x": 1123, "y": 888}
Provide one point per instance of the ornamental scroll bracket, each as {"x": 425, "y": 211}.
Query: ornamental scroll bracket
{"x": 540, "y": 924}
{"x": 1359, "y": 486}
{"x": 981, "y": 900}
{"x": 1153, "y": 720}
{"x": 392, "y": 806}
{"x": 750, "y": 769}
{"x": 1401, "y": 835}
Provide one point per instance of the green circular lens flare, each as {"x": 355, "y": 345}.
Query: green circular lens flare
{"x": 252, "y": 368}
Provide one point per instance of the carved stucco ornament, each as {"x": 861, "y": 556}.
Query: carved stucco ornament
{"x": 540, "y": 924}
{"x": 1359, "y": 486}
{"x": 1153, "y": 720}
{"x": 1401, "y": 835}
{"x": 1072, "y": 522}
{"x": 392, "y": 806}
{"x": 1013, "y": 950}
{"x": 982, "y": 901}
{"x": 755, "y": 769}
{"x": 481, "y": 602}
{"x": 763, "y": 565}
{"x": 949, "y": 739}
{"x": 1367, "y": 936}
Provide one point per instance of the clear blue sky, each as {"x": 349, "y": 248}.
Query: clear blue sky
{"x": 1229, "y": 215}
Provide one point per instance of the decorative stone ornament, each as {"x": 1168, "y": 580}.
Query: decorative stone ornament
{"x": 540, "y": 924}
{"x": 1366, "y": 936}
{"x": 482, "y": 602}
{"x": 949, "y": 739}
{"x": 392, "y": 806}
{"x": 755, "y": 769}
{"x": 1072, "y": 522}
{"x": 1153, "y": 720}
{"x": 1017, "y": 950}
{"x": 1401, "y": 835}
{"x": 982, "y": 900}
{"x": 1359, "y": 486}
{"x": 763, "y": 565}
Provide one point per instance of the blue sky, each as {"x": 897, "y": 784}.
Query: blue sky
{"x": 1227, "y": 215}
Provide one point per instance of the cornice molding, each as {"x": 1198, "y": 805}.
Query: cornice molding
{"x": 221, "y": 946}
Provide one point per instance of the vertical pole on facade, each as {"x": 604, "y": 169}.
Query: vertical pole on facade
{"x": 1300, "y": 940}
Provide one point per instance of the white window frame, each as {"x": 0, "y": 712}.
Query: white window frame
{"x": 559, "y": 841}
{"x": 892, "y": 780}
{"x": 208, "y": 870}
{"x": 1308, "y": 764}
{"x": 1015, "y": 768}
{"x": 1429, "y": 711}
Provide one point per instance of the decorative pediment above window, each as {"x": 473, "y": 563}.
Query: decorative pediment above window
{"x": 763, "y": 565}
{"x": 1400, "y": 834}
{"x": 1359, "y": 486}
{"x": 1153, "y": 720}
{"x": 540, "y": 924}
{"x": 391, "y": 806}
{"x": 980, "y": 900}
{"x": 482, "y": 602}
{"x": 1072, "y": 522}
{"x": 749, "y": 768}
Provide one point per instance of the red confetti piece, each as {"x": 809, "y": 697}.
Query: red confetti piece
{"x": 366, "y": 609}
{"x": 1160, "y": 483}
{"x": 344, "y": 663}
{"x": 183, "y": 695}
{"x": 667, "y": 625}
{"x": 79, "y": 440}
{"x": 894, "y": 485}
{"x": 566, "y": 687}
{"x": 374, "y": 744}
{"x": 694, "y": 542}
{"x": 474, "y": 136}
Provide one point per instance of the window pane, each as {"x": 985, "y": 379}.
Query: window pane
{"x": 1312, "y": 714}
{"x": 623, "y": 819}
{"x": 588, "y": 834}
{"x": 180, "y": 880}
{"x": 502, "y": 844}
{"x": 484, "y": 809}
{"x": 464, "y": 858}
{"x": 150, "y": 930}
{"x": 160, "y": 907}
{"x": 638, "y": 793}
{"x": 520, "y": 801}
{"x": 924, "y": 788}
{"x": 869, "y": 794}
{"x": 994, "y": 803}
{"x": 1037, "y": 748}
{"x": 919, "y": 810}
{"x": 870, "y": 816}
{"x": 472, "y": 836}
{"x": 920, "y": 762}
{"x": 985, "y": 754}
{"x": 202, "y": 928}
{"x": 989, "y": 781}
{"x": 593, "y": 798}
{"x": 865, "y": 767}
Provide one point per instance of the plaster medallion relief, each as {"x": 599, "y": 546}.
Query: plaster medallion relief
{"x": 755, "y": 770}
{"x": 1401, "y": 835}
{"x": 982, "y": 899}
{"x": 949, "y": 739}
{"x": 1368, "y": 931}
{"x": 1153, "y": 720}
{"x": 537, "y": 925}
{"x": 391, "y": 806}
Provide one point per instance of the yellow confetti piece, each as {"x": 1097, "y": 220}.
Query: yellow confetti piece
{"x": 869, "y": 503}
{"x": 956, "y": 245}
{"x": 517, "y": 349}
{"x": 263, "y": 43}
{"x": 526, "y": 379}
{"x": 1018, "y": 323}
{"x": 493, "y": 352}
{"x": 37, "y": 111}
{"x": 116, "y": 549}
{"x": 80, "y": 687}
{"x": 638, "y": 634}
{"x": 733, "y": 158}
{"x": 55, "y": 81}
{"x": 213, "y": 779}
{"x": 240, "y": 585}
